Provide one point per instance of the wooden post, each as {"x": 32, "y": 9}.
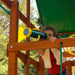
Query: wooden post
{"x": 27, "y": 39}
{"x": 69, "y": 68}
{"x": 41, "y": 66}
{"x": 13, "y": 37}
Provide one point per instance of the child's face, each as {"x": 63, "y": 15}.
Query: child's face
{"x": 49, "y": 33}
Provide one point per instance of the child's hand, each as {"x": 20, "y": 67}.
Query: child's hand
{"x": 52, "y": 39}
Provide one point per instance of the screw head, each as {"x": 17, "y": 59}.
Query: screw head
{"x": 11, "y": 46}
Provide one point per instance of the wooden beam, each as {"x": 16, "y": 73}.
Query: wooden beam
{"x": 72, "y": 63}
{"x": 6, "y": 2}
{"x": 41, "y": 66}
{"x": 13, "y": 35}
{"x": 24, "y": 19}
{"x": 27, "y": 39}
{"x": 69, "y": 67}
{"x": 70, "y": 42}
{"x": 12, "y": 68}
{"x": 66, "y": 55}
{"x": 12, "y": 65}
{"x": 23, "y": 58}
{"x": 34, "y": 62}
{"x": 21, "y": 16}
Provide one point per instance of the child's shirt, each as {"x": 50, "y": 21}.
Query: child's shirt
{"x": 55, "y": 69}
{"x": 47, "y": 59}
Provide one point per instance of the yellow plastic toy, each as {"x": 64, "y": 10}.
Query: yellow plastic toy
{"x": 21, "y": 35}
{"x": 67, "y": 47}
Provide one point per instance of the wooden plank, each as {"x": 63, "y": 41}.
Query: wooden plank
{"x": 41, "y": 66}
{"x": 73, "y": 63}
{"x": 23, "y": 57}
{"x": 13, "y": 22}
{"x": 69, "y": 65}
{"x": 69, "y": 68}
{"x": 12, "y": 63}
{"x": 66, "y": 55}
{"x": 13, "y": 36}
{"x": 34, "y": 62}
{"x": 27, "y": 63}
{"x": 21, "y": 16}
{"x": 70, "y": 42}
{"x": 6, "y": 2}
{"x": 27, "y": 39}
{"x": 24, "y": 19}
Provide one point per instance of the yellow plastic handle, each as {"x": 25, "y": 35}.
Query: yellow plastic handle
{"x": 37, "y": 38}
{"x": 67, "y": 47}
{"x": 38, "y": 35}
{"x": 36, "y": 29}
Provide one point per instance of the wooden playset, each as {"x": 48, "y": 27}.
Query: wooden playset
{"x": 60, "y": 14}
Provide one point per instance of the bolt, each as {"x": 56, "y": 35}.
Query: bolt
{"x": 11, "y": 46}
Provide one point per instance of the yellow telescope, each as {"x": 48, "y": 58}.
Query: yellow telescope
{"x": 28, "y": 32}
{"x": 35, "y": 33}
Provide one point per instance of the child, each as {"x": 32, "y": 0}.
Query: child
{"x": 51, "y": 57}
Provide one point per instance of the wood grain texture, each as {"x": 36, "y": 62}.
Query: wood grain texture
{"x": 70, "y": 42}
{"x": 13, "y": 36}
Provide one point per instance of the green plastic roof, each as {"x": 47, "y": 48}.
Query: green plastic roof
{"x": 59, "y": 14}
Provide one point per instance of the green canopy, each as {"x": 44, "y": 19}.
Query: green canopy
{"x": 59, "y": 14}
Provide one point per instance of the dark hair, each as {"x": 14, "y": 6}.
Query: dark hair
{"x": 52, "y": 29}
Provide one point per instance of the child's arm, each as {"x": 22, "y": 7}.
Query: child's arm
{"x": 52, "y": 39}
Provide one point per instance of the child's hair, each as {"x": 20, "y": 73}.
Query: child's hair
{"x": 52, "y": 29}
